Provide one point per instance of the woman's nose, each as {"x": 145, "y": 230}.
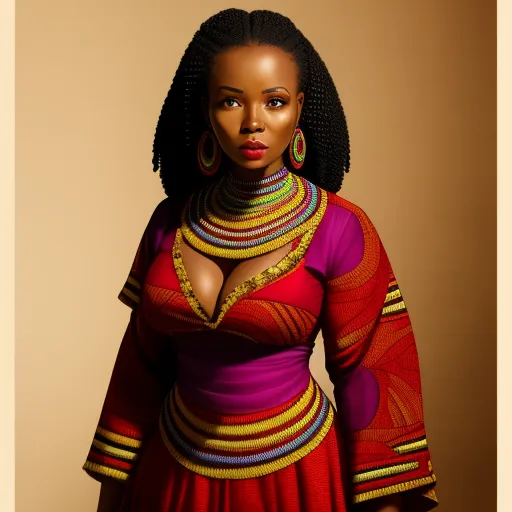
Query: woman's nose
{"x": 252, "y": 121}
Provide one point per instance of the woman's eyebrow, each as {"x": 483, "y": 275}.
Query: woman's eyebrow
{"x": 266, "y": 91}
{"x": 275, "y": 89}
{"x": 232, "y": 89}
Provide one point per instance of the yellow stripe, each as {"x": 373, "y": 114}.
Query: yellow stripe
{"x": 431, "y": 495}
{"x": 252, "y": 471}
{"x": 133, "y": 280}
{"x": 393, "y": 295}
{"x": 252, "y": 428}
{"x": 355, "y": 336}
{"x": 114, "y": 451}
{"x": 281, "y": 213}
{"x": 406, "y": 448}
{"x": 103, "y": 470}
{"x": 381, "y": 472}
{"x": 290, "y": 261}
{"x": 222, "y": 252}
{"x": 392, "y": 489}
{"x": 393, "y": 308}
{"x": 245, "y": 444}
{"x": 117, "y": 438}
{"x": 131, "y": 295}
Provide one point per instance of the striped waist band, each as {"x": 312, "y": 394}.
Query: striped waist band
{"x": 248, "y": 445}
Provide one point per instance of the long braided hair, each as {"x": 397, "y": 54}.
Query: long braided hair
{"x": 182, "y": 121}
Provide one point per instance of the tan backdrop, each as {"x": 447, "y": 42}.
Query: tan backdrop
{"x": 417, "y": 80}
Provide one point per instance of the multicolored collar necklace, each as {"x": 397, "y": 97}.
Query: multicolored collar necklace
{"x": 241, "y": 219}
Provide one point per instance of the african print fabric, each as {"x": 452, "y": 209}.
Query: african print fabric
{"x": 220, "y": 412}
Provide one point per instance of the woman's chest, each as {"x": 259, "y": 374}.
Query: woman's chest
{"x": 277, "y": 304}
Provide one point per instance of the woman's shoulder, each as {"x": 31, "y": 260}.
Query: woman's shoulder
{"x": 345, "y": 236}
{"x": 346, "y": 213}
{"x": 165, "y": 216}
{"x": 342, "y": 208}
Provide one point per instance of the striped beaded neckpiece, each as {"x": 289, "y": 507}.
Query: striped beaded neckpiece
{"x": 243, "y": 219}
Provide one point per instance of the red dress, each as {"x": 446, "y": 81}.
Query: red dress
{"x": 176, "y": 453}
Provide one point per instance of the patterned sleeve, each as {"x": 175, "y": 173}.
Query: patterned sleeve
{"x": 138, "y": 383}
{"x": 372, "y": 360}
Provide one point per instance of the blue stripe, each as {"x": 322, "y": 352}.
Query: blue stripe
{"x": 251, "y": 459}
{"x": 251, "y": 243}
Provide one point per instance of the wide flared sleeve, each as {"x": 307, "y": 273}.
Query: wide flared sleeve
{"x": 142, "y": 375}
{"x": 372, "y": 360}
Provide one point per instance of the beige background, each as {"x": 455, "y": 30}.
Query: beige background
{"x": 418, "y": 85}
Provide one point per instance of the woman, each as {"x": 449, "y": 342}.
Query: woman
{"x": 211, "y": 405}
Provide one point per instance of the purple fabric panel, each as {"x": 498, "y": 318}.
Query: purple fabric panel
{"x": 338, "y": 244}
{"x": 157, "y": 225}
{"x": 243, "y": 386}
{"x": 357, "y": 395}
{"x": 350, "y": 253}
{"x": 168, "y": 241}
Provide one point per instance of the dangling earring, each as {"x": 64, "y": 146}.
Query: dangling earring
{"x": 208, "y": 153}
{"x": 297, "y": 148}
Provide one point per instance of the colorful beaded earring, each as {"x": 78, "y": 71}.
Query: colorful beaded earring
{"x": 297, "y": 149}
{"x": 208, "y": 153}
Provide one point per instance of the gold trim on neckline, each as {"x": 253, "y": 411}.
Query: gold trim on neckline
{"x": 271, "y": 274}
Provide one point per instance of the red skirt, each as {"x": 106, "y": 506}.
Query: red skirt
{"x": 314, "y": 483}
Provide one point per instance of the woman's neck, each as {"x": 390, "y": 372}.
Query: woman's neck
{"x": 243, "y": 174}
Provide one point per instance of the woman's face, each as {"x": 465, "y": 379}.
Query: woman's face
{"x": 254, "y": 97}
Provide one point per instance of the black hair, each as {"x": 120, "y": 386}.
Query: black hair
{"x": 182, "y": 120}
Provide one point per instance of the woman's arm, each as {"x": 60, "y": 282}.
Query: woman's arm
{"x": 143, "y": 373}
{"x": 372, "y": 360}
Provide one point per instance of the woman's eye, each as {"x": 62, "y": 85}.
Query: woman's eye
{"x": 276, "y": 102}
{"x": 231, "y": 102}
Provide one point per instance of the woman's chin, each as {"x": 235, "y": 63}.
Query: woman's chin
{"x": 255, "y": 165}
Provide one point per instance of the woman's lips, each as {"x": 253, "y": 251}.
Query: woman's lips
{"x": 253, "y": 154}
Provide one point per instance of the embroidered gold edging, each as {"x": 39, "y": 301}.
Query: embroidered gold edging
{"x": 186, "y": 287}
{"x": 393, "y": 308}
{"x": 431, "y": 495}
{"x": 410, "y": 447}
{"x": 252, "y": 428}
{"x": 401, "y": 487}
{"x": 252, "y": 471}
{"x": 118, "y": 438}
{"x": 104, "y": 470}
{"x": 288, "y": 262}
{"x": 245, "y": 444}
{"x": 265, "y": 277}
{"x": 105, "y": 448}
{"x": 387, "y": 471}
{"x": 393, "y": 295}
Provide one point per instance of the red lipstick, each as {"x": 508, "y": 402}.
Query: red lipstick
{"x": 253, "y": 149}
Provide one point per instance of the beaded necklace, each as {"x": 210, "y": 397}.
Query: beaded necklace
{"x": 241, "y": 219}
